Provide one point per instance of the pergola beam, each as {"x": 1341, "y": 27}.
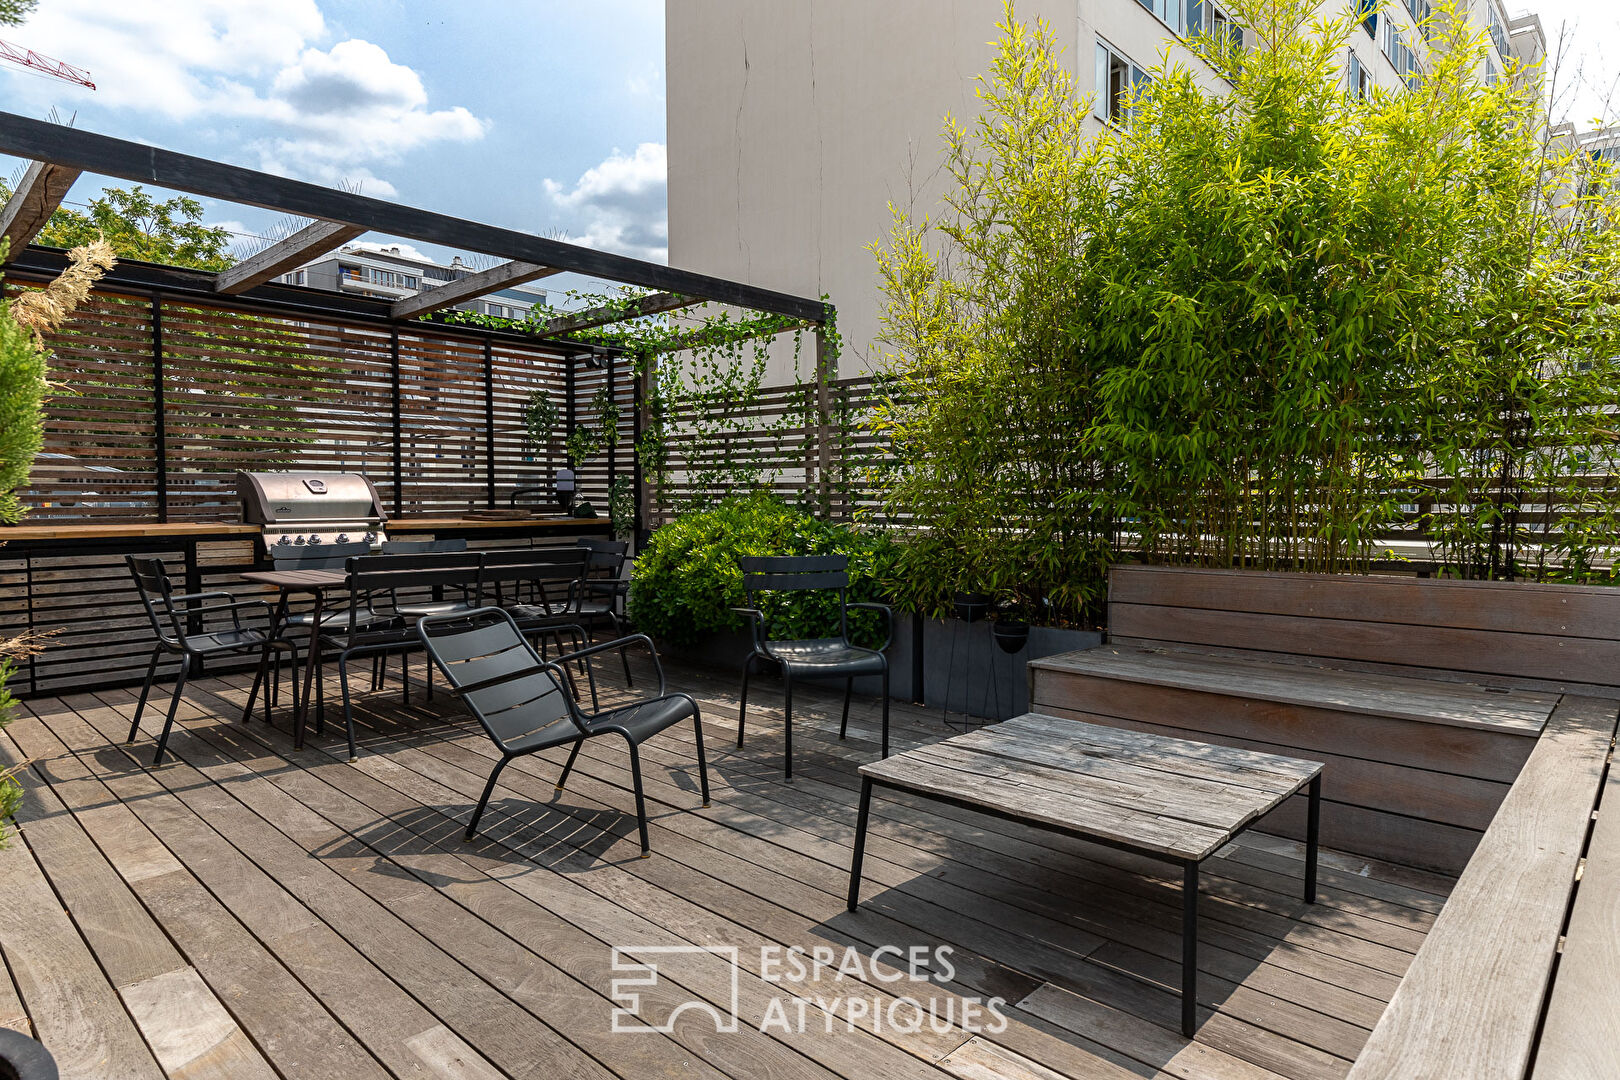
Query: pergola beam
{"x": 452, "y": 293}
{"x": 590, "y": 318}
{"x": 41, "y": 191}
{"x": 125, "y": 160}
{"x": 285, "y": 255}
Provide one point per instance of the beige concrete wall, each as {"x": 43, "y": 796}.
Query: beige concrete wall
{"x": 793, "y": 126}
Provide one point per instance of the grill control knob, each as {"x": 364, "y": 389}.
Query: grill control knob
{"x": 342, "y": 538}
{"x": 299, "y": 541}
{"x": 285, "y": 539}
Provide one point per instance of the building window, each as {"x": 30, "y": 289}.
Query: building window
{"x": 1209, "y": 18}
{"x": 1168, "y": 10}
{"x": 1422, "y": 14}
{"x": 350, "y": 273}
{"x": 1119, "y": 81}
{"x": 1401, "y": 55}
{"x": 1367, "y": 12}
{"x": 1359, "y": 78}
{"x": 390, "y": 278}
{"x": 1498, "y": 33}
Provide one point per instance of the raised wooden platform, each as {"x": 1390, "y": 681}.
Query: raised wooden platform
{"x": 254, "y": 911}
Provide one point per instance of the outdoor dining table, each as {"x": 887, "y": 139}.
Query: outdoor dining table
{"x": 316, "y": 583}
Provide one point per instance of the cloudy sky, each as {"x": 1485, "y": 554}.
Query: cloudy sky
{"x": 542, "y": 115}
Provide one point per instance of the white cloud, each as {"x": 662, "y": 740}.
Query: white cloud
{"x": 394, "y": 247}
{"x": 327, "y": 115}
{"x": 622, "y": 204}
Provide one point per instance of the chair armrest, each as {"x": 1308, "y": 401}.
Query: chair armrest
{"x": 757, "y": 617}
{"x": 218, "y": 594}
{"x": 235, "y": 607}
{"x": 888, "y": 621}
{"x": 617, "y": 645}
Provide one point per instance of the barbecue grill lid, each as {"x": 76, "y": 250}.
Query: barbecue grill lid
{"x": 271, "y": 498}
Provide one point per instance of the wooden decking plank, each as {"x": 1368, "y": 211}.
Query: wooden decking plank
{"x": 193, "y": 1036}
{"x": 1399, "y": 964}
{"x": 496, "y": 1027}
{"x": 344, "y": 772}
{"x": 1059, "y": 870}
{"x": 1091, "y": 1070}
{"x": 267, "y": 1000}
{"x": 1470, "y": 1004}
{"x": 971, "y": 869}
{"x": 503, "y": 961}
{"x": 75, "y": 1012}
{"x": 771, "y": 865}
{"x": 1580, "y": 1036}
{"x": 365, "y": 1000}
{"x": 1170, "y": 944}
{"x": 979, "y": 824}
{"x": 1216, "y": 1029}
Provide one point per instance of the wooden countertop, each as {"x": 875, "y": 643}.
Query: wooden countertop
{"x": 150, "y": 529}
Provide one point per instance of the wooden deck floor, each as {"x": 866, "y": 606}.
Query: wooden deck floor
{"x": 252, "y": 911}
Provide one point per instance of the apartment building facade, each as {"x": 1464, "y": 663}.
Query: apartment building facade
{"x": 793, "y": 127}
{"x": 386, "y": 273}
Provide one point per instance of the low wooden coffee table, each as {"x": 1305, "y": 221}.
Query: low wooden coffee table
{"x": 1170, "y": 799}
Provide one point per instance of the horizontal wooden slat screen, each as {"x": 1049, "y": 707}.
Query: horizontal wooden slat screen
{"x": 162, "y": 402}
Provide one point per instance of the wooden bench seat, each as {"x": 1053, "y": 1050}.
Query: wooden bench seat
{"x": 1457, "y": 704}
{"x": 1471, "y": 1003}
{"x": 1424, "y": 697}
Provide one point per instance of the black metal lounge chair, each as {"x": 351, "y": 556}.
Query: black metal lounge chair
{"x": 523, "y": 705}
{"x": 177, "y": 620}
{"x": 817, "y": 657}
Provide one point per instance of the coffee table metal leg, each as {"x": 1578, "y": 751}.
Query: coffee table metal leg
{"x": 1189, "y": 949}
{"x": 1313, "y": 827}
{"x": 860, "y": 843}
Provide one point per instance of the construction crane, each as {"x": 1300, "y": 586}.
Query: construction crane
{"x": 28, "y": 58}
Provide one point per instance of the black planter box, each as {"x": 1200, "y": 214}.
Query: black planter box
{"x": 963, "y": 668}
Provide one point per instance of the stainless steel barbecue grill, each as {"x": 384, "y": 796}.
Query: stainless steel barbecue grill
{"x": 301, "y": 508}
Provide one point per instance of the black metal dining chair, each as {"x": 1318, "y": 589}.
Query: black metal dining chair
{"x": 537, "y": 586}
{"x": 602, "y": 590}
{"x": 523, "y": 706}
{"x": 384, "y": 575}
{"x": 328, "y": 557}
{"x": 179, "y": 620}
{"x": 825, "y": 657}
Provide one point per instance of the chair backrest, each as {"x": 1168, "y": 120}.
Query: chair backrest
{"x": 793, "y": 573}
{"x": 796, "y": 573}
{"x": 422, "y": 547}
{"x": 372, "y": 576}
{"x": 315, "y": 556}
{"x": 547, "y": 572}
{"x": 606, "y": 557}
{"x": 152, "y": 583}
{"x": 484, "y": 644}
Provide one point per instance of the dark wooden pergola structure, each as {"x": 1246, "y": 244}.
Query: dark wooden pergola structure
{"x": 59, "y": 155}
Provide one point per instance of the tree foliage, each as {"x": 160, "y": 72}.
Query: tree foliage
{"x": 1251, "y": 327}
{"x": 138, "y": 226}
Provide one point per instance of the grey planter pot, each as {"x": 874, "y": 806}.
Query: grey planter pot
{"x": 963, "y": 667}
{"x": 21, "y": 1058}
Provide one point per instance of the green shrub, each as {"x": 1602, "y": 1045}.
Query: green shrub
{"x": 687, "y": 580}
